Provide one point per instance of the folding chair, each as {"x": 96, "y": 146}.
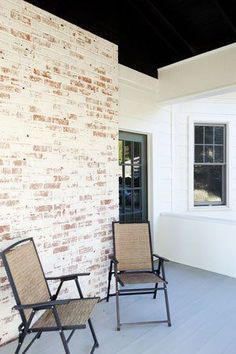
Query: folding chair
{"x": 32, "y": 295}
{"x": 132, "y": 263}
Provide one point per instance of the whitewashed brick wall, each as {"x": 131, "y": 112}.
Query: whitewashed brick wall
{"x": 58, "y": 146}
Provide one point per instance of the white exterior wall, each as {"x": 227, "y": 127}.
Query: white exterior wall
{"x": 212, "y": 71}
{"x": 203, "y": 237}
{"x": 200, "y": 237}
{"x": 217, "y": 109}
{"x": 140, "y": 113}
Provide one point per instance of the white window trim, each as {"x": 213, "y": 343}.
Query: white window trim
{"x": 208, "y": 119}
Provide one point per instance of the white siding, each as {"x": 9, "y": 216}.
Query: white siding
{"x": 140, "y": 113}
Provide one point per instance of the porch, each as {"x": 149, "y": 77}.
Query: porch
{"x": 203, "y": 306}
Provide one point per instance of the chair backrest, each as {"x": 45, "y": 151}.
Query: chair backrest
{"x": 25, "y": 274}
{"x": 132, "y": 246}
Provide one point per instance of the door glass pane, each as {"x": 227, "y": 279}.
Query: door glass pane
{"x": 128, "y": 217}
{"x": 128, "y": 199}
{"x": 137, "y": 200}
{"x": 132, "y": 177}
{"x": 138, "y": 217}
{"x": 128, "y": 176}
{"x": 120, "y": 152}
{"x": 137, "y": 152}
{"x": 121, "y": 201}
{"x": 137, "y": 176}
{"x": 120, "y": 175}
{"x": 128, "y": 152}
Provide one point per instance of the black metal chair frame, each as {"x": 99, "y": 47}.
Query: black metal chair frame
{"x": 24, "y": 328}
{"x": 159, "y": 271}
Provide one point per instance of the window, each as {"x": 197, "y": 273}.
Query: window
{"x": 209, "y": 164}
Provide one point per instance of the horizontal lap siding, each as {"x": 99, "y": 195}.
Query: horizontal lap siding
{"x": 58, "y": 146}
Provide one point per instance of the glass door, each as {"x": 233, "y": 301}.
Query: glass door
{"x": 132, "y": 177}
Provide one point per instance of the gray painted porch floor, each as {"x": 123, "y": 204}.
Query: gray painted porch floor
{"x": 203, "y": 310}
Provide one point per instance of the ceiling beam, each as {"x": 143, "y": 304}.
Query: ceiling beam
{"x": 160, "y": 15}
{"x": 154, "y": 29}
{"x": 225, "y": 16}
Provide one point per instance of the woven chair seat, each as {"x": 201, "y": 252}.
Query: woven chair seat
{"x": 139, "y": 278}
{"x": 76, "y": 313}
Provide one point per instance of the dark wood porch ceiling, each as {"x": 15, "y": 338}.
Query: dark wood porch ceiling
{"x": 152, "y": 33}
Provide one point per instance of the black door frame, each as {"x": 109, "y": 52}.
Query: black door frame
{"x": 141, "y": 138}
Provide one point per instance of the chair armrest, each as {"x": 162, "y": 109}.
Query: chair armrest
{"x": 41, "y": 305}
{"x": 113, "y": 259}
{"x": 161, "y": 258}
{"x": 68, "y": 276}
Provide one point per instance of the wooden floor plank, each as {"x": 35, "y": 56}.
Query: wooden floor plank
{"x": 203, "y": 311}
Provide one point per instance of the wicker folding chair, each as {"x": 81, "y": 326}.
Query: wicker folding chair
{"x": 132, "y": 263}
{"x": 32, "y": 295}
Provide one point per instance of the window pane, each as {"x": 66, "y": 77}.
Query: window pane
{"x": 137, "y": 152}
{"x": 219, "y": 154}
{"x": 128, "y": 153}
{"x": 209, "y": 153}
{"x": 208, "y": 184}
{"x": 137, "y": 176}
{"x": 219, "y": 135}
{"x": 128, "y": 176}
{"x": 208, "y": 135}
{"x": 198, "y": 134}
{"x": 199, "y": 153}
{"x": 120, "y": 151}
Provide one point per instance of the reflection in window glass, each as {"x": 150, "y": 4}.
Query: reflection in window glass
{"x": 128, "y": 151}
{"x": 137, "y": 200}
{"x": 199, "y": 135}
{"x": 208, "y": 184}
{"x": 120, "y": 152}
{"x": 208, "y": 135}
{"x": 209, "y": 153}
{"x": 209, "y": 165}
{"x": 120, "y": 175}
{"x": 137, "y": 152}
{"x": 137, "y": 176}
{"x": 219, "y": 154}
{"x": 121, "y": 201}
{"x": 219, "y": 135}
{"x": 128, "y": 199}
{"x": 128, "y": 176}
{"x": 199, "y": 153}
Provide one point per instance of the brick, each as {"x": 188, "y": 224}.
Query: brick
{"x": 58, "y": 152}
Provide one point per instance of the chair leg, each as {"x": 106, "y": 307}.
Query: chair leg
{"x": 117, "y": 306}
{"x": 31, "y": 342}
{"x": 96, "y": 344}
{"x": 64, "y": 342}
{"x": 155, "y": 291}
{"x": 21, "y": 340}
{"x": 167, "y": 305}
{"x": 23, "y": 333}
{"x": 59, "y": 326}
{"x": 109, "y": 281}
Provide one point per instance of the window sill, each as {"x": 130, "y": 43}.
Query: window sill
{"x": 210, "y": 208}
